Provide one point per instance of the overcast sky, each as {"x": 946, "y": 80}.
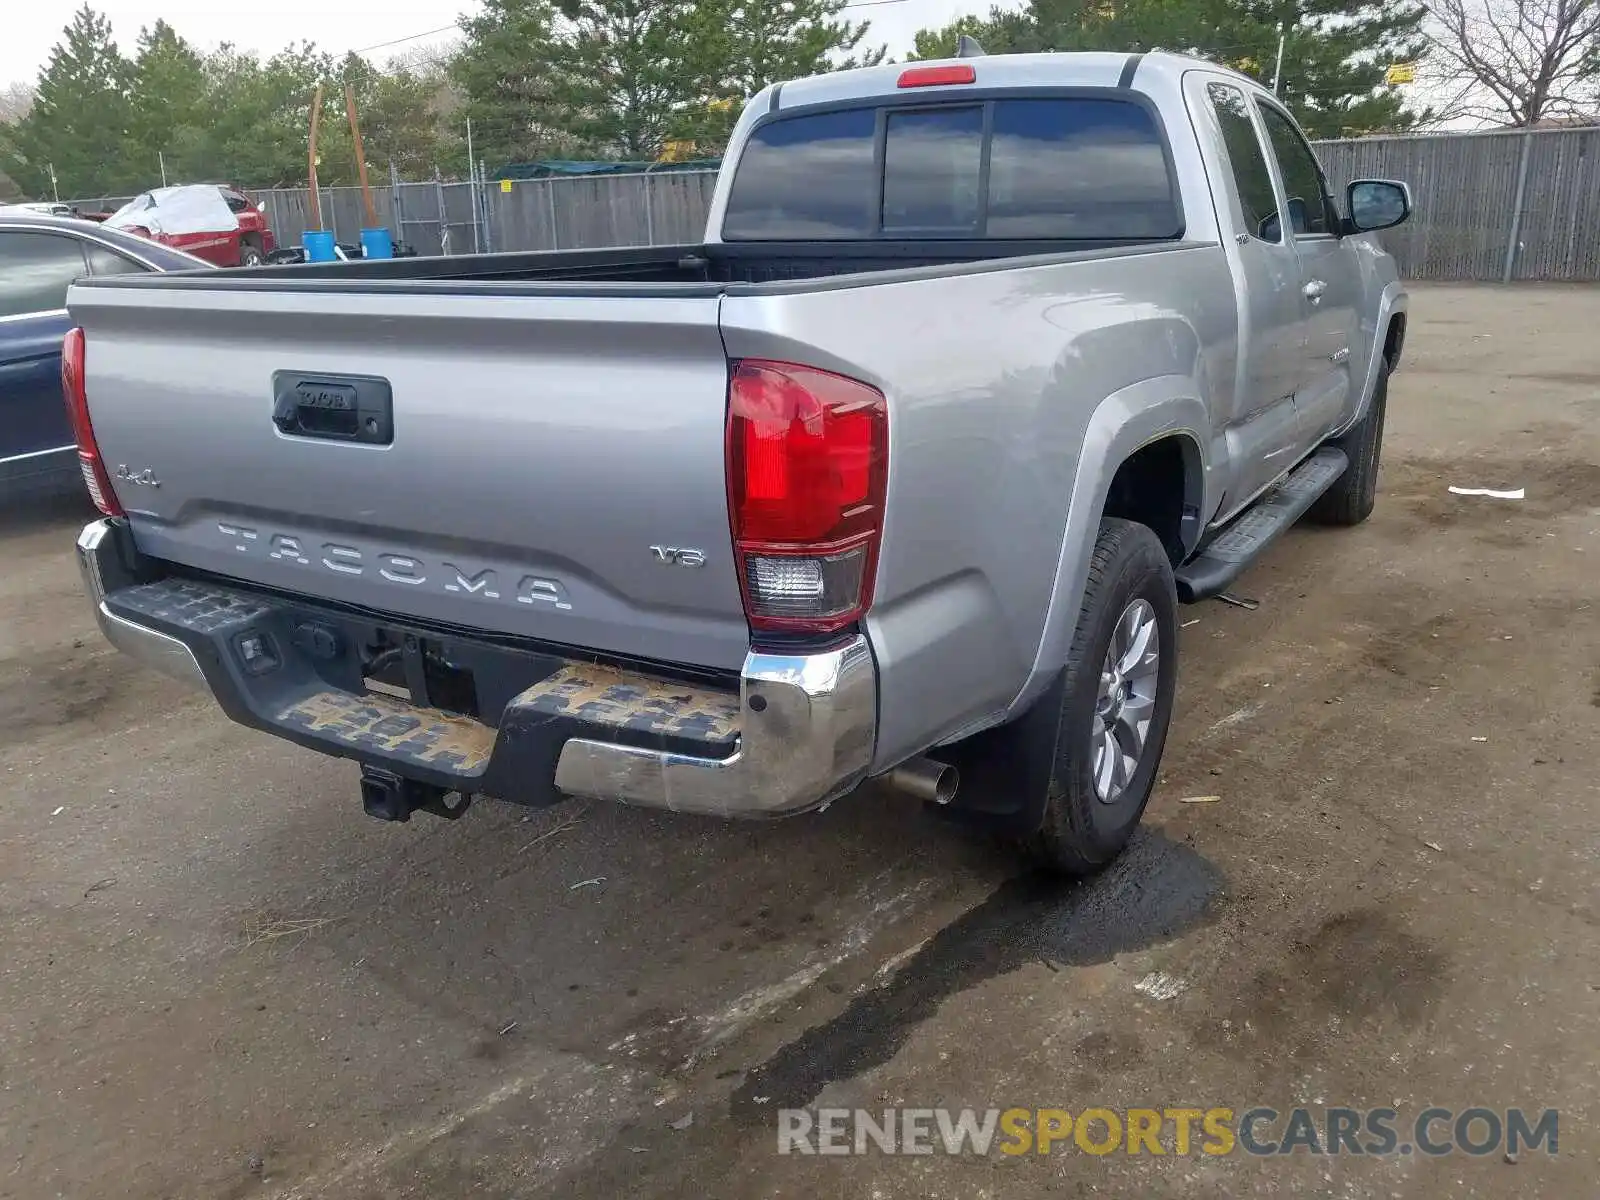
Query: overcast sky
{"x": 31, "y": 27}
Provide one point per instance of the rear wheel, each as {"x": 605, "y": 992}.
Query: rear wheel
{"x": 1116, "y": 703}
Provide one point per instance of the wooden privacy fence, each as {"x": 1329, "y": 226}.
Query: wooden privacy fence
{"x": 1503, "y": 205}
{"x": 1507, "y": 205}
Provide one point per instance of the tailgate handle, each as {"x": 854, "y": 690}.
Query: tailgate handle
{"x": 336, "y": 408}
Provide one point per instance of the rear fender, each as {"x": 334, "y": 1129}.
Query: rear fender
{"x": 1135, "y": 416}
{"x": 1391, "y": 301}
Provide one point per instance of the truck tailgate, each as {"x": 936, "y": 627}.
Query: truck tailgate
{"x": 553, "y": 466}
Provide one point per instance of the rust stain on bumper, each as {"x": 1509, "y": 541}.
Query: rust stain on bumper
{"x": 638, "y": 703}
{"x": 425, "y": 736}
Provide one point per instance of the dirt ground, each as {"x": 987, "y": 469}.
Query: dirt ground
{"x": 218, "y": 979}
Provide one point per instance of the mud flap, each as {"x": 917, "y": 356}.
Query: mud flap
{"x": 1006, "y": 771}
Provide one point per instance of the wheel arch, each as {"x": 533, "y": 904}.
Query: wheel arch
{"x": 1159, "y": 416}
{"x": 1388, "y": 332}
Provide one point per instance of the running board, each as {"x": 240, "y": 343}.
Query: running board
{"x": 1230, "y": 553}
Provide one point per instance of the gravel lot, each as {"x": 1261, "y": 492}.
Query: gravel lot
{"x": 218, "y": 979}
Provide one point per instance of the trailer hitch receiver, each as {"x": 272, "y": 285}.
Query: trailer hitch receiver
{"x": 391, "y": 797}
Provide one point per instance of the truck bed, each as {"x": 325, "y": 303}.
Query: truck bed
{"x": 675, "y": 270}
{"x": 519, "y": 444}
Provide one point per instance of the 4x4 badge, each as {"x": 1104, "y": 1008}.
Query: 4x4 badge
{"x": 144, "y": 478}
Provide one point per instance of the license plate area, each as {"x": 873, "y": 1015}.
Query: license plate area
{"x": 422, "y": 670}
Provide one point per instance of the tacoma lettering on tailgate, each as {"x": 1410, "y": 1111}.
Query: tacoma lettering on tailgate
{"x": 405, "y": 570}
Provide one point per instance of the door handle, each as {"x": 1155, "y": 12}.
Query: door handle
{"x": 1313, "y": 290}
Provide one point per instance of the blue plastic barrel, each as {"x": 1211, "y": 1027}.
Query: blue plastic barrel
{"x": 376, "y": 243}
{"x": 318, "y": 245}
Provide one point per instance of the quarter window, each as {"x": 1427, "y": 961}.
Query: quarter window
{"x": 109, "y": 262}
{"x": 35, "y": 269}
{"x": 1252, "y": 178}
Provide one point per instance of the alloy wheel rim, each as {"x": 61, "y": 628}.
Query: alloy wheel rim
{"x": 1125, "y": 704}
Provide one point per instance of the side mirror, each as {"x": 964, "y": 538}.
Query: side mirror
{"x": 1297, "y": 215}
{"x": 1376, "y": 204}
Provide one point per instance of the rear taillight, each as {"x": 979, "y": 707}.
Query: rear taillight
{"x": 94, "y": 470}
{"x": 808, "y": 464}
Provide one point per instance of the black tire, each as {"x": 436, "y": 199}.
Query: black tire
{"x": 1351, "y": 499}
{"x": 250, "y": 254}
{"x": 1081, "y": 833}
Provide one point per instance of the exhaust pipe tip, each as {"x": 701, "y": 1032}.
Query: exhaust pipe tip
{"x": 929, "y": 781}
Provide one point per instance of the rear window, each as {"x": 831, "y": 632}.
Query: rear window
{"x": 930, "y": 170}
{"x": 1057, "y": 168}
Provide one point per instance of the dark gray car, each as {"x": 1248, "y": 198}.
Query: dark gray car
{"x": 40, "y": 256}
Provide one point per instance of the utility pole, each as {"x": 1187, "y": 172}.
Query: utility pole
{"x": 311, "y": 160}
{"x": 55, "y": 193}
{"x": 472, "y": 191}
{"x": 361, "y": 156}
{"x": 483, "y": 186}
{"x": 1277, "y": 68}
{"x": 162, "y": 159}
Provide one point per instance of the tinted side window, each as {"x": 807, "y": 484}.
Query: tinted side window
{"x": 1252, "y": 178}
{"x": 1302, "y": 179}
{"x": 35, "y": 269}
{"x": 930, "y": 169}
{"x": 235, "y": 202}
{"x": 806, "y": 177}
{"x": 1078, "y": 169}
{"x": 109, "y": 262}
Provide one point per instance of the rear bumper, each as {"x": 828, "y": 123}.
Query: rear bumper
{"x": 798, "y": 732}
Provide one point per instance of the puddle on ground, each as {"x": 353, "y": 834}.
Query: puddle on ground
{"x": 1155, "y": 891}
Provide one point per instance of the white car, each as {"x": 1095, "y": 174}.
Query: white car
{"x": 53, "y": 209}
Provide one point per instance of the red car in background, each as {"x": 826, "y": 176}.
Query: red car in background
{"x": 211, "y": 221}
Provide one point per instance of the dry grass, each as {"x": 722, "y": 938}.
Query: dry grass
{"x": 262, "y": 928}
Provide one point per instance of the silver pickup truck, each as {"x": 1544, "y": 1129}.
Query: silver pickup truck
{"x": 983, "y": 366}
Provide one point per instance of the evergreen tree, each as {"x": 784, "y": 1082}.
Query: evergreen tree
{"x": 505, "y": 74}
{"x": 627, "y": 73}
{"x": 79, "y": 120}
{"x": 1335, "y": 57}
{"x": 402, "y": 123}
{"x": 1003, "y": 31}
{"x": 260, "y": 113}
{"x": 1335, "y": 53}
{"x": 399, "y": 124}
{"x": 169, "y": 106}
{"x": 748, "y": 44}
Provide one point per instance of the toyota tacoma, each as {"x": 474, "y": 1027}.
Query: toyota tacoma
{"x": 982, "y": 367}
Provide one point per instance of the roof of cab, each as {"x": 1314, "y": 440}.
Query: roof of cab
{"x": 1076, "y": 69}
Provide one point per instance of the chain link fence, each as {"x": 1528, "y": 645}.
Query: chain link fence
{"x": 524, "y": 214}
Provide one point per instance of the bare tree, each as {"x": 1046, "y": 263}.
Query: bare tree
{"x": 15, "y": 101}
{"x": 1518, "y": 62}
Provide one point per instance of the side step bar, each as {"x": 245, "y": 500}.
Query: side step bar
{"x": 1230, "y": 553}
